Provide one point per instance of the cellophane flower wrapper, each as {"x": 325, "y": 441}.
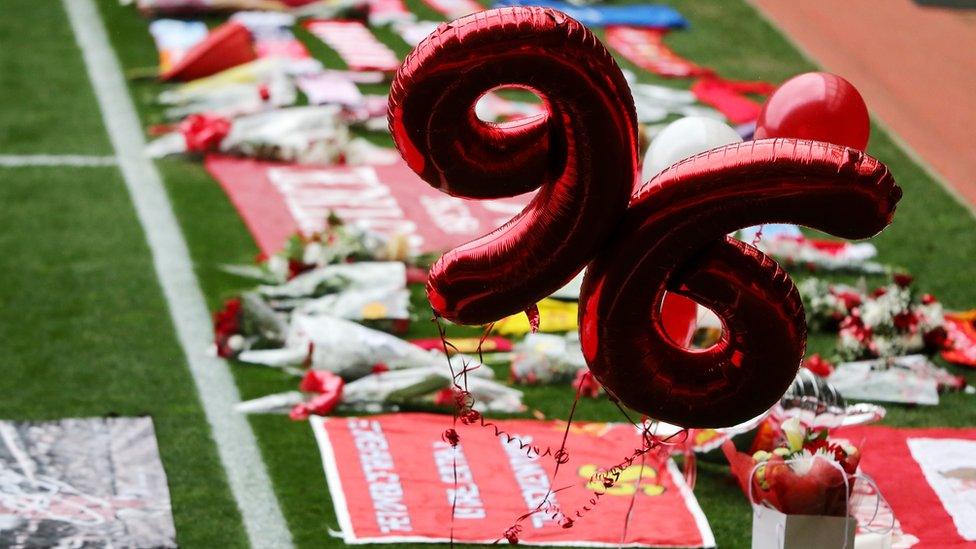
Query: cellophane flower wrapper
{"x": 806, "y": 485}
{"x": 547, "y": 359}
{"x": 345, "y": 348}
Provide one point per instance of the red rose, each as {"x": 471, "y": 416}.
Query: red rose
{"x": 928, "y": 299}
{"x": 936, "y": 339}
{"x": 905, "y": 321}
{"x": 227, "y": 322}
{"x": 903, "y": 280}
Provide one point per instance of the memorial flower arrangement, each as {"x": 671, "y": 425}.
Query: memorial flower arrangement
{"x": 893, "y": 320}
{"x": 806, "y": 473}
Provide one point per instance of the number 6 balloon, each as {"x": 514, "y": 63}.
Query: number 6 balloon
{"x": 582, "y": 156}
{"x": 673, "y": 238}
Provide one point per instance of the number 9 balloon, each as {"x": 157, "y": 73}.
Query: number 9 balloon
{"x": 582, "y": 156}
{"x": 581, "y": 153}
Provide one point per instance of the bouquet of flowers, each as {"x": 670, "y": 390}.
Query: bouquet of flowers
{"x": 547, "y": 358}
{"x": 890, "y": 321}
{"x": 805, "y": 474}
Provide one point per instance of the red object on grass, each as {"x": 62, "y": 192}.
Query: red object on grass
{"x": 729, "y": 97}
{"x": 903, "y": 479}
{"x": 645, "y": 48}
{"x": 501, "y": 482}
{"x": 226, "y": 46}
{"x": 203, "y": 132}
{"x": 818, "y": 365}
{"x": 327, "y": 388}
{"x": 960, "y": 339}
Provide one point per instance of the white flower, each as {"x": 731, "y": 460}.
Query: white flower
{"x": 236, "y": 342}
{"x": 874, "y": 313}
{"x": 278, "y": 267}
{"x": 312, "y": 255}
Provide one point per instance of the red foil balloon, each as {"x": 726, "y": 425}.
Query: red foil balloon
{"x": 819, "y": 106}
{"x": 581, "y": 154}
{"x": 673, "y": 239}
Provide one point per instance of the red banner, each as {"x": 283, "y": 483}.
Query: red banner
{"x": 645, "y": 48}
{"x": 355, "y": 44}
{"x": 928, "y": 477}
{"x": 279, "y": 200}
{"x": 393, "y": 478}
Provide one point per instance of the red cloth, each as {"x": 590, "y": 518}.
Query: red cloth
{"x": 887, "y": 459}
{"x": 645, "y": 48}
{"x": 226, "y": 46}
{"x": 396, "y": 478}
{"x": 278, "y": 200}
{"x": 728, "y": 96}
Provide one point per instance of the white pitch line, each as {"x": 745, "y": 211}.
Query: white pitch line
{"x": 236, "y": 444}
{"x": 44, "y": 160}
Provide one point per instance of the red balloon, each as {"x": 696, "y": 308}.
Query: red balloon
{"x": 581, "y": 153}
{"x": 672, "y": 238}
{"x": 818, "y": 106}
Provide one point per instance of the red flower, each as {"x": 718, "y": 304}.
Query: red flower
{"x": 928, "y": 299}
{"x": 936, "y": 339}
{"x": 227, "y": 322}
{"x": 905, "y": 321}
{"x": 855, "y": 326}
{"x": 903, "y": 280}
{"x": 879, "y": 292}
{"x": 818, "y": 365}
{"x": 850, "y": 299}
{"x": 296, "y": 267}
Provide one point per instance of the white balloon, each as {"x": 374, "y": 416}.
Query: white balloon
{"x": 683, "y": 138}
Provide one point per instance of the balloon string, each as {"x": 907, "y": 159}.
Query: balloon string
{"x": 633, "y": 501}
{"x": 756, "y": 238}
{"x": 464, "y": 410}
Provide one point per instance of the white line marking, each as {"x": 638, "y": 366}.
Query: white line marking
{"x": 71, "y": 160}
{"x": 236, "y": 444}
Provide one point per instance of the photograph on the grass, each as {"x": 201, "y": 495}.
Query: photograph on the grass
{"x": 83, "y": 482}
